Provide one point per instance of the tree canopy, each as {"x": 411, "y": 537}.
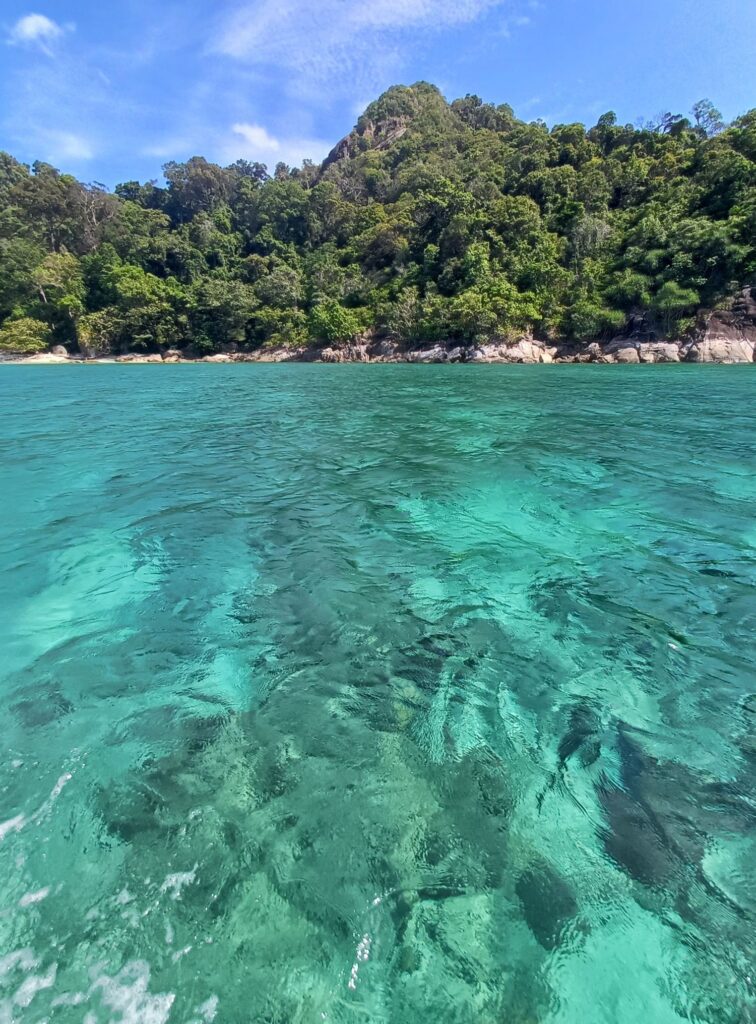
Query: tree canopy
{"x": 429, "y": 221}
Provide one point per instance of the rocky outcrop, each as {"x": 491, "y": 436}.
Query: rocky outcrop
{"x": 138, "y": 357}
{"x": 626, "y": 354}
{"x": 524, "y": 350}
{"x": 368, "y": 134}
{"x": 39, "y": 358}
{"x": 279, "y": 354}
{"x": 631, "y": 350}
{"x": 347, "y": 354}
{"x": 726, "y": 335}
{"x": 434, "y": 354}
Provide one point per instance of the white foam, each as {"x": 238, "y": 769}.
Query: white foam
{"x": 33, "y": 984}
{"x": 361, "y": 957}
{"x": 175, "y": 883}
{"x": 12, "y": 825}
{"x": 127, "y": 994}
{"x": 23, "y": 958}
{"x": 207, "y": 1012}
{"x": 17, "y": 823}
{"x": 34, "y": 897}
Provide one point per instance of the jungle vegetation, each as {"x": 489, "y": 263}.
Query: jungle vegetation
{"x": 430, "y": 221}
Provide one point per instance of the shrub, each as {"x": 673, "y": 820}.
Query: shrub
{"x": 24, "y": 335}
{"x": 332, "y": 322}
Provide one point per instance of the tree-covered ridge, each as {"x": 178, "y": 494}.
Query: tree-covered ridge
{"x": 430, "y": 221}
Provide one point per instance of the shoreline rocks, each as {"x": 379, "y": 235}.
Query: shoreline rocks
{"x": 712, "y": 349}
{"x": 719, "y": 336}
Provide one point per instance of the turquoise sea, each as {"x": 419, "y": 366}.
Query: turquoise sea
{"x": 403, "y": 694}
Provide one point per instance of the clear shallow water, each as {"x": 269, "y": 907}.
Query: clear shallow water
{"x": 394, "y": 694}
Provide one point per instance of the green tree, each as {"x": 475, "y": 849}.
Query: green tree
{"x": 331, "y": 322}
{"x": 24, "y": 335}
{"x": 673, "y": 303}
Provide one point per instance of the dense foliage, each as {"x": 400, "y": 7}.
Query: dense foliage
{"x": 429, "y": 221}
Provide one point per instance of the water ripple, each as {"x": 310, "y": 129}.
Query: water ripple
{"x": 393, "y": 693}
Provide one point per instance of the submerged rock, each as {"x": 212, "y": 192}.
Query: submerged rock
{"x": 581, "y": 737}
{"x": 548, "y": 902}
{"x": 662, "y": 817}
{"x": 633, "y": 840}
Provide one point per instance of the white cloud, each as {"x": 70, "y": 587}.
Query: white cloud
{"x": 243, "y": 140}
{"x": 36, "y": 30}
{"x": 254, "y": 142}
{"x": 256, "y": 137}
{"x": 339, "y": 46}
{"x": 68, "y": 146}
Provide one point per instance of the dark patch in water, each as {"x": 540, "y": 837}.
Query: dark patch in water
{"x": 660, "y": 817}
{"x": 582, "y": 735}
{"x": 548, "y": 903}
{"x": 46, "y": 707}
{"x": 632, "y": 839}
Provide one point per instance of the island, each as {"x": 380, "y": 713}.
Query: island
{"x": 434, "y": 232}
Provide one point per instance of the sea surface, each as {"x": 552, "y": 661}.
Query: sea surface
{"x": 403, "y": 694}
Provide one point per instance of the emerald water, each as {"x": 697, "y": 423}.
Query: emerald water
{"x": 378, "y": 693}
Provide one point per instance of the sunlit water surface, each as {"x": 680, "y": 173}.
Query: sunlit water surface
{"x": 377, "y": 693}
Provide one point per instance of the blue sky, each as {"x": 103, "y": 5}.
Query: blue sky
{"x": 111, "y": 89}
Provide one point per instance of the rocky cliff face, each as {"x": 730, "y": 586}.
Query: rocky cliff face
{"x": 727, "y": 336}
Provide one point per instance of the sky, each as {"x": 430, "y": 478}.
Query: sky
{"x": 109, "y": 90}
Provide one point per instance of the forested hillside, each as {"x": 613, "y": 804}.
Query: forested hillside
{"x": 430, "y": 221}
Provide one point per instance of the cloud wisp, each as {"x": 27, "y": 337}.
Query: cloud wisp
{"x": 37, "y": 30}
{"x": 254, "y": 142}
{"x": 340, "y": 47}
{"x": 267, "y": 80}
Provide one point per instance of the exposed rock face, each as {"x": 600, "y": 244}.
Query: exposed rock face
{"x": 592, "y": 353}
{"x": 386, "y": 350}
{"x": 137, "y": 357}
{"x": 368, "y": 135}
{"x": 724, "y": 340}
{"x": 631, "y": 350}
{"x": 282, "y": 354}
{"x": 722, "y": 349}
{"x": 348, "y": 354}
{"x": 59, "y": 350}
{"x": 525, "y": 350}
{"x": 727, "y": 336}
{"x": 436, "y": 354}
{"x": 659, "y": 352}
